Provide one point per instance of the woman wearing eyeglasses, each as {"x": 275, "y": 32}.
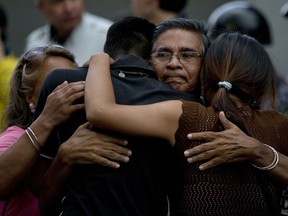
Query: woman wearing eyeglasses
{"x": 225, "y": 179}
{"x": 28, "y": 139}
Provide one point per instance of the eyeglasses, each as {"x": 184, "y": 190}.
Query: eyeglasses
{"x": 32, "y": 53}
{"x": 186, "y": 57}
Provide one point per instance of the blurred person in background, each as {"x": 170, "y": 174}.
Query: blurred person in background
{"x": 7, "y": 63}
{"x": 71, "y": 26}
{"x": 157, "y": 11}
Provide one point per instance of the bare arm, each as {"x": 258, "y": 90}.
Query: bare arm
{"x": 156, "y": 120}
{"x": 233, "y": 145}
{"x": 16, "y": 162}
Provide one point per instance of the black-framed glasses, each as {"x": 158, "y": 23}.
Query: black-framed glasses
{"x": 185, "y": 57}
{"x": 32, "y": 53}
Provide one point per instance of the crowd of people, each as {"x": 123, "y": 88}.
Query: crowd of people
{"x": 157, "y": 116}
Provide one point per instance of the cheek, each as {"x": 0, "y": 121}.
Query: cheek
{"x": 193, "y": 78}
{"x": 159, "y": 70}
{"x": 193, "y": 73}
{"x": 78, "y": 8}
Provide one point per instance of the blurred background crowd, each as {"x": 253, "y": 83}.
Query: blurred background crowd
{"x": 24, "y": 17}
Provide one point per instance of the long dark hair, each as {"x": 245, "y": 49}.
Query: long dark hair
{"x": 243, "y": 62}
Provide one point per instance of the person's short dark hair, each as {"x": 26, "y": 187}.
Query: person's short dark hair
{"x": 240, "y": 16}
{"x": 192, "y": 25}
{"x": 172, "y": 5}
{"x": 3, "y": 23}
{"x": 130, "y": 35}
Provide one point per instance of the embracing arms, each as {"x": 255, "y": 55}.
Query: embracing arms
{"x": 233, "y": 145}
{"x": 16, "y": 161}
{"x": 155, "y": 120}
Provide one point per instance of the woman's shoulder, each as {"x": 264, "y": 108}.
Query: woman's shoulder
{"x": 9, "y": 136}
{"x": 197, "y": 107}
{"x": 198, "y": 112}
{"x": 272, "y": 114}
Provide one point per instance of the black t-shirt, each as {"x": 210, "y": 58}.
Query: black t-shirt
{"x": 137, "y": 187}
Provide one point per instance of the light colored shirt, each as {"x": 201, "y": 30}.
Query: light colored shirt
{"x": 86, "y": 39}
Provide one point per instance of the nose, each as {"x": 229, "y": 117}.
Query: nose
{"x": 174, "y": 61}
{"x": 69, "y": 5}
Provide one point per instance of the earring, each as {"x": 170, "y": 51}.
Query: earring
{"x": 32, "y": 107}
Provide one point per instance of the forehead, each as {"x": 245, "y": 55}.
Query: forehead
{"x": 54, "y": 62}
{"x": 179, "y": 39}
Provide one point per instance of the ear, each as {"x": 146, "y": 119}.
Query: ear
{"x": 31, "y": 101}
{"x": 39, "y": 5}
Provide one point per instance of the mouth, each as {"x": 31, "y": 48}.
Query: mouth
{"x": 72, "y": 19}
{"x": 174, "y": 80}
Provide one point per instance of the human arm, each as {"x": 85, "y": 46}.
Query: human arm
{"x": 156, "y": 120}
{"x": 233, "y": 145}
{"x": 83, "y": 147}
{"x": 16, "y": 161}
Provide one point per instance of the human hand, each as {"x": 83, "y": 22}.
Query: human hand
{"x": 86, "y": 146}
{"x": 60, "y": 103}
{"x": 96, "y": 56}
{"x": 230, "y": 145}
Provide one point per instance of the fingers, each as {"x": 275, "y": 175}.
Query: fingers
{"x": 115, "y": 140}
{"x": 95, "y": 158}
{"x": 87, "y": 125}
{"x": 209, "y": 135}
{"x": 225, "y": 122}
{"x": 61, "y": 86}
{"x": 61, "y": 102}
{"x": 65, "y": 85}
{"x": 119, "y": 154}
{"x": 201, "y": 136}
{"x": 107, "y": 163}
{"x": 87, "y": 146}
{"x": 76, "y": 107}
{"x": 209, "y": 157}
{"x": 211, "y": 163}
{"x": 204, "y": 149}
{"x": 95, "y": 154}
{"x": 68, "y": 89}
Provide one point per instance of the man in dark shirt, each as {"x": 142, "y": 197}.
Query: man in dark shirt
{"x": 137, "y": 187}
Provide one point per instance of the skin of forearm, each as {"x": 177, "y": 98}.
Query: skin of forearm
{"x": 17, "y": 161}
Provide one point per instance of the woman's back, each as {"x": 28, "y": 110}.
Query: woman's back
{"x": 231, "y": 188}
